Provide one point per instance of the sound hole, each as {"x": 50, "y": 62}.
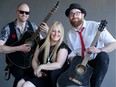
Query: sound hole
{"x": 28, "y": 41}
{"x": 81, "y": 69}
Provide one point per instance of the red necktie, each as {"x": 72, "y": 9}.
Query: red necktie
{"x": 82, "y": 42}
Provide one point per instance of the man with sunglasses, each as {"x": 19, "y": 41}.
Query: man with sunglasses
{"x": 14, "y": 31}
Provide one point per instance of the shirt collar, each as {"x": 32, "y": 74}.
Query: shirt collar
{"x": 84, "y": 24}
{"x": 26, "y": 26}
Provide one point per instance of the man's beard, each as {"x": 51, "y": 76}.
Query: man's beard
{"x": 76, "y": 23}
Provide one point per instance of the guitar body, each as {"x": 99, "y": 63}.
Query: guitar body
{"x": 21, "y": 59}
{"x": 68, "y": 78}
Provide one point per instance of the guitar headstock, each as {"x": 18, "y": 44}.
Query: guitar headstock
{"x": 51, "y": 12}
{"x": 55, "y": 7}
{"x": 102, "y": 25}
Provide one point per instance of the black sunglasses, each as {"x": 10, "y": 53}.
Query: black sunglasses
{"x": 22, "y": 12}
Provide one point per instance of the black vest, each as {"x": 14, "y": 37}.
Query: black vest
{"x": 13, "y": 36}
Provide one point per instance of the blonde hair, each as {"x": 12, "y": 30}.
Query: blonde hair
{"x": 46, "y": 44}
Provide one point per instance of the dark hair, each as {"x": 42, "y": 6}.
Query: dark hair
{"x": 74, "y": 6}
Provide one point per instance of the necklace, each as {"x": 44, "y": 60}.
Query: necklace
{"x": 49, "y": 59}
{"x": 51, "y": 54}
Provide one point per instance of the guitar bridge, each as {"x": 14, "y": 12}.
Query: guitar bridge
{"x": 75, "y": 80}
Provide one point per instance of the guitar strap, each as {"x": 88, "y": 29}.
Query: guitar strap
{"x": 12, "y": 39}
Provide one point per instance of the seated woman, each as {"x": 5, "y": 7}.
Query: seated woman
{"x": 50, "y": 59}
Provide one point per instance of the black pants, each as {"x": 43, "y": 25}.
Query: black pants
{"x": 19, "y": 73}
{"x": 50, "y": 80}
{"x": 100, "y": 66}
{"x": 56, "y": 73}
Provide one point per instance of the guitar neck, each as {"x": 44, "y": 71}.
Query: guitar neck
{"x": 86, "y": 58}
{"x": 38, "y": 30}
{"x": 45, "y": 20}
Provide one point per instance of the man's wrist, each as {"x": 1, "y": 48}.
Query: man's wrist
{"x": 100, "y": 50}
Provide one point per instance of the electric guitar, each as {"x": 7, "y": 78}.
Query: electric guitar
{"x": 21, "y": 59}
{"x": 79, "y": 72}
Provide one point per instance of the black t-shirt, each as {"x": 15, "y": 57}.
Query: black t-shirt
{"x": 41, "y": 54}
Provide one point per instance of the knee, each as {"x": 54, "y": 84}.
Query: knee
{"x": 103, "y": 57}
{"x": 28, "y": 84}
{"x": 20, "y": 83}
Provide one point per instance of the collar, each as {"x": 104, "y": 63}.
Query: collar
{"x": 26, "y": 25}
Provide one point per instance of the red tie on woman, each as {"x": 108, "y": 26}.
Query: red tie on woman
{"x": 82, "y": 42}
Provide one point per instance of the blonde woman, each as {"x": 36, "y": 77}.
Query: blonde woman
{"x": 49, "y": 60}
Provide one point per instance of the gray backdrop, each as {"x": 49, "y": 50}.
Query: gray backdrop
{"x": 96, "y": 10}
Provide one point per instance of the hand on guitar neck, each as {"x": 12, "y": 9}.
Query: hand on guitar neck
{"x": 93, "y": 49}
{"x": 44, "y": 27}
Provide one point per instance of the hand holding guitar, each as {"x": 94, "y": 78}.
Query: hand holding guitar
{"x": 24, "y": 48}
{"x": 44, "y": 27}
{"x": 93, "y": 49}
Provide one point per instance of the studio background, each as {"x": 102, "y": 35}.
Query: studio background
{"x": 96, "y": 10}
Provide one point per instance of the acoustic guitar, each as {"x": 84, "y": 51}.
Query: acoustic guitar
{"x": 21, "y": 59}
{"x": 79, "y": 72}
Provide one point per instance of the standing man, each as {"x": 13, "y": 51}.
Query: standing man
{"x": 13, "y": 32}
{"x": 105, "y": 44}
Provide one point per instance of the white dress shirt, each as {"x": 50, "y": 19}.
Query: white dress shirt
{"x": 89, "y": 32}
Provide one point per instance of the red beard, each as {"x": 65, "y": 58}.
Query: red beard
{"x": 76, "y": 23}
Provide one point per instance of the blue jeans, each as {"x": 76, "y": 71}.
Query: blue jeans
{"x": 100, "y": 66}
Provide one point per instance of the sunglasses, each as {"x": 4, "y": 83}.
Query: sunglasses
{"x": 22, "y": 12}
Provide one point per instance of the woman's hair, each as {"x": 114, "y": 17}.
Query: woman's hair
{"x": 46, "y": 44}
